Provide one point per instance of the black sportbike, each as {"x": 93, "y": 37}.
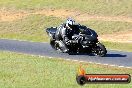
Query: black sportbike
{"x": 86, "y": 41}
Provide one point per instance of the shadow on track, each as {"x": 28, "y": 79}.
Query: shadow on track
{"x": 107, "y": 55}
{"x": 115, "y": 55}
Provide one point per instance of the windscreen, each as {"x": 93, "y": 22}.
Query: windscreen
{"x": 84, "y": 30}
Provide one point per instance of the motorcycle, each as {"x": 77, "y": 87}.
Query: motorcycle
{"x": 85, "y": 42}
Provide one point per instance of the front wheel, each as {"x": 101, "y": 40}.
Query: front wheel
{"x": 58, "y": 45}
{"x": 100, "y": 50}
{"x": 54, "y": 44}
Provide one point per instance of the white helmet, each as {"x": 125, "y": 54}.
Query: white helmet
{"x": 70, "y": 22}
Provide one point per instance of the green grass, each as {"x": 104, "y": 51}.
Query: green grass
{"x": 31, "y": 28}
{"x": 98, "y": 7}
{"x": 18, "y": 70}
{"x": 118, "y": 46}
{"x": 108, "y": 27}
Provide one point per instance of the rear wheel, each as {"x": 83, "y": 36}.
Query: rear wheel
{"x": 100, "y": 50}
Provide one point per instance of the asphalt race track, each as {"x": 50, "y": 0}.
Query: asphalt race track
{"x": 118, "y": 58}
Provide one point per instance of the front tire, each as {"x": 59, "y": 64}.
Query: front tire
{"x": 100, "y": 50}
{"x": 58, "y": 46}
{"x": 54, "y": 44}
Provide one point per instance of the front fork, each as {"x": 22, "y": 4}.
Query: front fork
{"x": 94, "y": 48}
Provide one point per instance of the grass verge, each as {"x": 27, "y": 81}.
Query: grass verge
{"x": 118, "y": 46}
{"x": 31, "y": 28}
{"x": 108, "y": 27}
{"x": 98, "y": 7}
{"x": 19, "y": 70}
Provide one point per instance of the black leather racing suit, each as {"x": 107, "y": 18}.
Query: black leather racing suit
{"x": 64, "y": 35}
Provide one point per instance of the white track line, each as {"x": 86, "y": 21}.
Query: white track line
{"x": 111, "y": 65}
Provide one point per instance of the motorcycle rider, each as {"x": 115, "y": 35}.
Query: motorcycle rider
{"x": 64, "y": 34}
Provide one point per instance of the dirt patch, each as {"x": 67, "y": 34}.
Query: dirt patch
{"x": 86, "y": 17}
{"x": 57, "y": 13}
{"x": 16, "y": 15}
{"x": 123, "y": 37}
{"x": 80, "y": 16}
{"x": 13, "y": 15}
